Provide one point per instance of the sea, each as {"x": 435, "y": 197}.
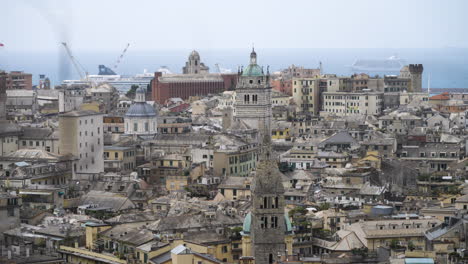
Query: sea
{"x": 447, "y": 67}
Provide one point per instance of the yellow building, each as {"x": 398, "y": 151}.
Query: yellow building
{"x": 236, "y": 188}
{"x": 92, "y": 106}
{"x": 174, "y": 161}
{"x": 235, "y": 161}
{"x": 127, "y": 243}
{"x": 306, "y": 95}
{"x": 176, "y": 183}
{"x": 119, "y": 158}
{"x": 92, "y": 232}
{"x": 281, "y": 130}
{"x": 372, "y": 159}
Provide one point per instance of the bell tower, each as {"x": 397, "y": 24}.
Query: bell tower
{"x": 253, "y": 97}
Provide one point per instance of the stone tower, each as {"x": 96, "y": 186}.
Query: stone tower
{"x": 268, "y": 221}
{"x": 3, "y": 95}
{"x": 194, "y": 65}
{"x": 253, "y": 97}
{"x": 416, "y": 71}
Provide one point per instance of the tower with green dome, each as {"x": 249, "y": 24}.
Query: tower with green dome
{"x": 267, "y": 231}
{"x": 253, "y": 97}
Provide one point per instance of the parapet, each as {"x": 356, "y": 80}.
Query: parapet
{"x": 416, "y": 68}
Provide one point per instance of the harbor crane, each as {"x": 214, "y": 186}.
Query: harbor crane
{"x": 78, "y": 67}
{"x": 119, "y": 59}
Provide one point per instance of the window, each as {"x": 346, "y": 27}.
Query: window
{"x": 146, "y": 126}
{"x": 135, "y": 127}
{"x": 224, "y": 249}
{"x": 116, "y": 155}
{"x": 274, "y": 222}
{"x": 263, "y": 222}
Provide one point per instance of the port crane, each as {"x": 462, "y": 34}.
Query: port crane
{"x": 119, "y": 59}
{"x": 78, "y": 67}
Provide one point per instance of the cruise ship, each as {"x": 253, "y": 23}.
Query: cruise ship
{"x": 391, "y": 64}
{"x": 120, "y": 82}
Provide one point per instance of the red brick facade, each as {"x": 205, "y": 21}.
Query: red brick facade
{"x": 284, "y": 86}
{"x": 162, "y": 90}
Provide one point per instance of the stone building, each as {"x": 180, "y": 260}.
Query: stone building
{"x": 141, "y": 118}
{"x": 3, "y": 95}
{"x": 267, "y": 230}
{"x": 9, "y": 212}
{"x": 194, "y": 65}
{"x": 81, "y": 135}
{"x": 253, "y": 97}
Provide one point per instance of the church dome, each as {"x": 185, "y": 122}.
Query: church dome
{"x": 141, "y": 109}
{"x": 248, "y": 222}
{"x": 253, "y": 70}
{"x": 194, "y": 54}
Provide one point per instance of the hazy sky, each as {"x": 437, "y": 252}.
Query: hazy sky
{"x": 151, "y": 24}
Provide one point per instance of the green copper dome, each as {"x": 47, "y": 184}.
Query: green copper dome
{"x": 253, "y": 70}
{"x": 248, "y": 223}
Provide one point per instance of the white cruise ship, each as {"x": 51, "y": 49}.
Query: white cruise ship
{"x": 120, "y": 82}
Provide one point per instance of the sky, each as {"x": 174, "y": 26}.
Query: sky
{"x": 108, "y": 25}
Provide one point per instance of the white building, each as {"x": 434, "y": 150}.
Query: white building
{"x": 348, "y": 104}
{"x": 141, "y": 117}
{"x": 81, "y": 135}
{"x": 70, "y": 99}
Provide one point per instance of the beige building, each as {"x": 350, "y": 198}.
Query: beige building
{"x": 236, "y": 188}
{"x": 348, "y": 104}
{"x": 306, "y": 95}
{"x": 403, "y": 232}
{"x": 235, "y": 160}
{"x": 81, "y": 135}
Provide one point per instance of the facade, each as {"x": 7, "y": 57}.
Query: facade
{"x": 81, "y": 135}
{"x": 44, "y": 139}
{"x": 266, "y": 229}
{"x": 416, "y": 71}
{"x": 195, "y": 81}
{"x": 114, "y": 124}
{"x": 183, "y": 86}
{"x": 105, "y": 94}
{"x": 235, "y": 161}
{"x": 306, "y": 95}
{"x": 194, "y": 65}
{"x": 18, "y": 80}
{"x": 253, "y": 98}
{"x": 348, "y": 104}
{"x": 9, "y": 212}
{"x": 141, "y": 118}
{"x": 119, "y": 158}
{"x": 70, "y": 98}
{"x": 3, "y": 95}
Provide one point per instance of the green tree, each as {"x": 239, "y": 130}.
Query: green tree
{"x": 131, "y": 93}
